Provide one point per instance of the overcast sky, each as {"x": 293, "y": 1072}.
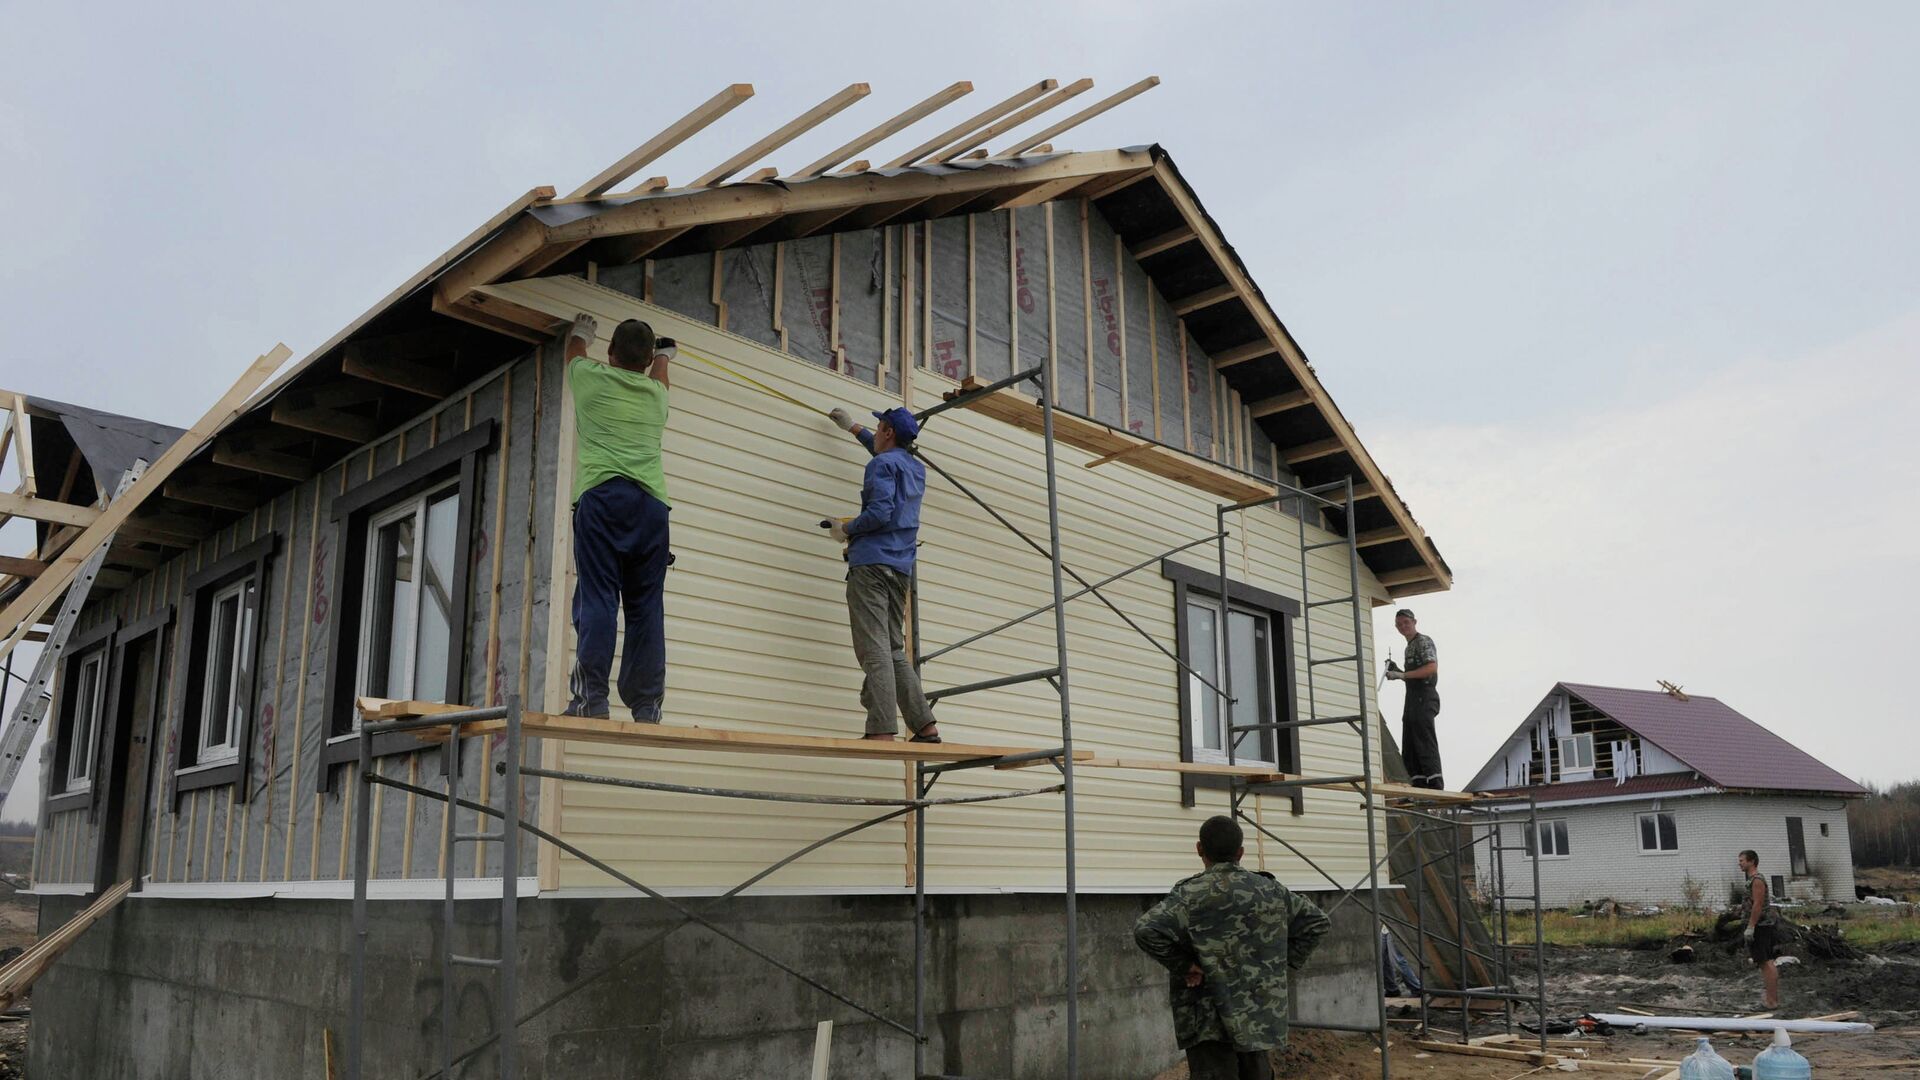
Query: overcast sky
{"x": 1625, "y": 297}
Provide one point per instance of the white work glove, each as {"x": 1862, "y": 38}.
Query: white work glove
{"x": 585, "y": 328}
{"x": 1395, "y": 675}
{"x": 666, "y": 353}
{"x": 838, "y": 530}
{"x": 1747, "y": 934}
{"x": 842, "y": 417}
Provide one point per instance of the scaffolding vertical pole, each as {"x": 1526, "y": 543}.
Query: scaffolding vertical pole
{"x": 1503, "y": 952}
{"x": 1420, "y": 913}
{"x": 357, "y": 978}
{"x": 1360, "y": 672}
{"x": 509, "y": 1009}
{"x": 919, "y": 922}
{"x": 1066, "y": 727}
{"x": 1461, "y": 915}
{"x": 1539, "y": 931}
{"x": 1223, "y": 656}
{"x": 451, "y": 778}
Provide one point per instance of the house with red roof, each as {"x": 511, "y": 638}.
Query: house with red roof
{"x": 1650, "y": 795}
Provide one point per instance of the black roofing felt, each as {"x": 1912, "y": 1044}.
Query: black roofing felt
{"x": 108, "y": 442}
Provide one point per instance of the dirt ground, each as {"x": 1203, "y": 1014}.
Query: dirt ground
{"x": 1885, "y": 989}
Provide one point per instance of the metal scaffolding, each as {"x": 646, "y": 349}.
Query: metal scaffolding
{"x": 459, "y": 723}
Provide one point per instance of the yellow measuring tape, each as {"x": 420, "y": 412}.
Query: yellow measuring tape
{"x": 746, "y": 380}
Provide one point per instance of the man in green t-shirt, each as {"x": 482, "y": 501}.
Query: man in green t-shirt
{"x": 619, "y": 516}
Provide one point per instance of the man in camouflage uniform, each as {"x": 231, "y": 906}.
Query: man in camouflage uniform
{"x": 1419, "y": 743}
{"x": 1230, "y": 940}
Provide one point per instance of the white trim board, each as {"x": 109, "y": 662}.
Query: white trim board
{"x": 409, "y": 889}
{"x": 605, "y": 892}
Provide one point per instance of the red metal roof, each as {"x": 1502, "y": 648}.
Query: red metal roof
{"x": 1715, "y": 741}
{"x": 1600, "y": 789}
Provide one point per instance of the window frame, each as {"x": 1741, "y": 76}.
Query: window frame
{"x": 82, "y": 646}
{"x": 247, "y": 570}
{"x": 1190, "y": 586}
{"x": 1577, "y": 739}
{"x": 243, "y": 619}
{"x": 353, "y": 512}
{"x": 1553, "y": 827}
{"x": 1640, "y": 834}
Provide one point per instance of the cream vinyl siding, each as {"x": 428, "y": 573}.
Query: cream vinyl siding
{"x": 757, "y": 638}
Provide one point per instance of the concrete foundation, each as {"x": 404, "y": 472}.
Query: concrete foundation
{"x": 214, "y": 989}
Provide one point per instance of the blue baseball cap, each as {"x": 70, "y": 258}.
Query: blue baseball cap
{"x": 901, "y": 421}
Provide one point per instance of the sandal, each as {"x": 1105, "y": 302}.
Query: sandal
{"x": 922, "y": 737}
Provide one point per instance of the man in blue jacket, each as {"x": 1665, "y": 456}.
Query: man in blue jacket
{"x": 880, "y": 548}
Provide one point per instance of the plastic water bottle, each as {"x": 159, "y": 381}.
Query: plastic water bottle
{"x": 1780, "y": 1061}
{"x": 1704, "y": 1064}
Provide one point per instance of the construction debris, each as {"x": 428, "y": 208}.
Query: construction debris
{"x": 1731, "y": 1023}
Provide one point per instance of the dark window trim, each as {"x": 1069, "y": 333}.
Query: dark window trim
{"x": 252, "y": 561}
{"x": 458, "y": 456}
{"x": 79, "y": 646}
{"x": 1281, "y": 611}
{"x": 107, "y": 846}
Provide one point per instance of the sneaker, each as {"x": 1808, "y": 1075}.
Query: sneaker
{"x": 576, "y": 707}
{"x": 647, "y": 714}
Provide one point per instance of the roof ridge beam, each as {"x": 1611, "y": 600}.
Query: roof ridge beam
{"x": 1001, "y": 127}
{"x": 671, "y": 136}
{"x": 868, "y": 139}
{"x": 785, "y": 134}
{"x": 985, "y": 116}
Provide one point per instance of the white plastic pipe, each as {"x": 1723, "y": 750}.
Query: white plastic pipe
{"x": 1731, "y": 1023}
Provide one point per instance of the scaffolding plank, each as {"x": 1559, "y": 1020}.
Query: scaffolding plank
{"x": 19, "y": 975}
{"x": 1100, "y": 440}
{"x": 668, "y": 736}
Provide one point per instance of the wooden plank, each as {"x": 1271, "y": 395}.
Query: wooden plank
{"x": 872, "y": 137}
{"x": 1404, "y": 577}
{"x": 1081, "y": 117}
{"x": 1013, "y": 120}
{"x": 1279, "y": 403}
{"x": 20, "y": 974}
{"x": 702, "y": 116}
{"x": 1532, "y": 1056}
{"x": 1313, "y": 451}
{"x": 1207, "y": 298}
{"x": 1166, "y": 241}
{"x": 265, "y": 462}
{"x": 18, "y": 567}
{"x": 667, "y": 736}
{"x": 414, "y": 377}
{"x": 1376, "y": 537}
{"x": 1240, "y": 354}
{"x": 783, "y": 135}
{"x": 985, "y": 116}
{"x": 326, "y": 420}
{"x": 218, "y": 496}
{"x": 48, "y": 585}
{"x": 53, "y": 513}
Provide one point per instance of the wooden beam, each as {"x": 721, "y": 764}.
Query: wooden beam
{"x": 1279, "y": 403}
{"x": 1083, "y": 115}
{"x": 1050, "y": 191}
{"x": 984, "y": 116}
{"x": 1217, "y": 295}
{"x": 13, "y": 504}
{"x": 218, "y": 496}
{"x": 1166, "y": 241}
{"x": 1406, "y": 576}
{"x": 21, "y": 567}
{"x": 760, "y": 175}
{"x": 265, "y": 462}
{"x": 1376, "y": 537}
{"x": 1240, "y": 354}
{"x": 518, "y": 242}
{"x": 697, "y": 208}
{"x": 1013, "y": 120}
{"x": 40, "y": 594}
{"x": 19, "y": 974}
{"x": 321, "y": 420}
{"x": 673, "y": 135}
{"x": 783, "y": 135}
{"x": 1107, "y": 185}
{"x": 1313, "y": 451}
{"x": 362, "y": 362}
{"x": 868, "y": 139}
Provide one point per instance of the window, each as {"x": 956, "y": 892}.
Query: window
{"x": 1658, "y": 833}
{"x": 89, "y": 693}
{"x": 1552, "y": 842}
{"x": 223, "y": 701}
{"x": 222, "y": 681}
{"x": 1258, "y": 637}
{"x": 1249, "y": 638}
{"x": 402, "y": 558}
{"x": 1823, "y": 828}
{"x": 406, "y": 613}
{"x": 1576, "y": 753}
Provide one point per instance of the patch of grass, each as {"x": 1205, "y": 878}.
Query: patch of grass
{"x": 1872, "y": 929}
{"x": 1866, "y": 927}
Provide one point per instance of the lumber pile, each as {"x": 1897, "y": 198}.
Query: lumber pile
{"x": 17, "y": 976}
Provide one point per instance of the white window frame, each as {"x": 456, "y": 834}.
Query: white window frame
{"x": 415, "y": 508}
{"x": 1586, "y": 770}
{"x": 1198, "y": 717}
{"x": 208, "y": 753}
{"x": 1547, "y": 827}
{"x": 85, "y": 733}
{"x": 1640, "y": 833}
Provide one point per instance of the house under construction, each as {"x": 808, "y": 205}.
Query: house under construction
{"x": 253, "y": 704}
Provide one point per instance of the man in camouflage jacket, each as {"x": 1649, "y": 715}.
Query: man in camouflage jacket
{"x": 1230, "y": 940}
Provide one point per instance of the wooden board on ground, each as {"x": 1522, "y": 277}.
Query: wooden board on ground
{"x": 667, "y": 736}
{"x": 17, "y": 976}
{"x": 1100, "y": 440}
{"x": 1533, "y": 1057}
